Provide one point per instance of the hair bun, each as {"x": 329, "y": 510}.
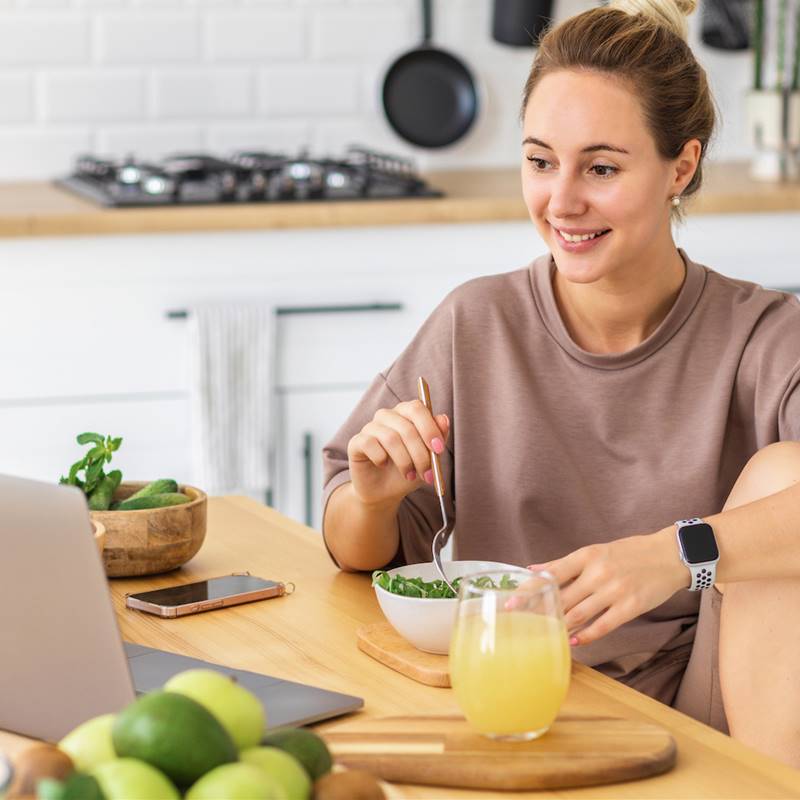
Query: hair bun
{"x": 686, "y": 7}
{"x": 670, "y": 13}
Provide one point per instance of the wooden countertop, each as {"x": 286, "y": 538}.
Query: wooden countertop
{"x": 486, "y": 195}
{"x": 310, "y": 636}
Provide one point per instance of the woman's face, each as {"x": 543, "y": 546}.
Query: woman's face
{"x": 590, "y": 167}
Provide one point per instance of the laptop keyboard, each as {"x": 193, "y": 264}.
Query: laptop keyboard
{"x": 285, "y": 702}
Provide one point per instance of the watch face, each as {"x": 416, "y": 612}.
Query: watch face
{"x": 698, "y": 543}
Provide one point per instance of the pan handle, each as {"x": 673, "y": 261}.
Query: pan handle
{"x": 427, "y": 21}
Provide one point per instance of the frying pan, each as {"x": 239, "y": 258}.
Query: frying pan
{"x": 429, "y": 96}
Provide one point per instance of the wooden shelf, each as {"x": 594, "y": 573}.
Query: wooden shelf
{"x": 477, "y": 195}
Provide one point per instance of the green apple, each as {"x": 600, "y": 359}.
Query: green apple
{"x": 90, "y": 743}
{"x": 236, "y": 782}
{"x": 126, "y": 778}
{"x": 284, "y": 768}
{"x": 238, "y": 709}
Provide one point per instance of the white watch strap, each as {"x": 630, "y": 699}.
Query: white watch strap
{"x": 703, "y": 575}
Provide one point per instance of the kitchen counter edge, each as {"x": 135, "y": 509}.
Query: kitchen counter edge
{"x": 39, "y": 208}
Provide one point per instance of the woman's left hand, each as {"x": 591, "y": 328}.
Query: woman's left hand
{"x": 614, "y": 582}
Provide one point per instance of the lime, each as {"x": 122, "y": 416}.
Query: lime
{"x": 236, "y": 782}
{"x": 126, "y": 778}
{"x": 238, "y": 709}
{"x": 306, "y": 746}
{"x": 173, "y": 733}
{"x": 90, "y": 743}
{"x": 283, "y": 767}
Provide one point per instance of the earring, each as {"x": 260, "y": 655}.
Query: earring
{"x": 676, "y": 200}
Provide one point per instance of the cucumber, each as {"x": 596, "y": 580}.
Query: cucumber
{"x": 115, "y": 476}
{"x": 161, "y": 486}
{"x": 100, "y": 498}
{"x": 152, "y": 501}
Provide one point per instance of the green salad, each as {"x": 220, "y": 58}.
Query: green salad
{"x": 416, "y": 587}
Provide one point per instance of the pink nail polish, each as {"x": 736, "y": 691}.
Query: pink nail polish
{"x": 411, "y": 475}
{"x": 437, "y": 445}
{"x": 573, "y": 641}
{"x": 429, "y": 476}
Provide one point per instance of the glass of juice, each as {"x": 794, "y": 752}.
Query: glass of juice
{"x": 509, "y": 655}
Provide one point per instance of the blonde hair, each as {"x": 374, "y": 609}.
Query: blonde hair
{"x": 642, "y": 42}
{"x": 671, "y": 13}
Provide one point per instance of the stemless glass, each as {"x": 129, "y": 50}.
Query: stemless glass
{"x": 509, "y": 654}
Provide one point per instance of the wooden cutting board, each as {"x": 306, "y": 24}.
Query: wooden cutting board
{"x": 381, "y": 641}
{"x": 579, "y": 750}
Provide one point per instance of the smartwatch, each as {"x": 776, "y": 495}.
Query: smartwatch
{"x": 698, "y": 550}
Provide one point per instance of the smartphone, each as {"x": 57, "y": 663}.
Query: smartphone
{"x": 192, "y": 598}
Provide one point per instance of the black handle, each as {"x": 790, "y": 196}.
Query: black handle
{"x": 183, "y": 313}
{"x": 308, "y": 447}
{"x": 427, "y": 21}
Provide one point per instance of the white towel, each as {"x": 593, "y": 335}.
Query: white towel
{"x": 233, "y": 397}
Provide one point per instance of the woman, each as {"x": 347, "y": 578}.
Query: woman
{"x": 614, "y": 386}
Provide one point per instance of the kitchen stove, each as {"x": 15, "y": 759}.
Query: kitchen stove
{"x": 245, "y": 177}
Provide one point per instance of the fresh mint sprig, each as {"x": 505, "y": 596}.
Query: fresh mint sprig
{"x": 91, "y": 465}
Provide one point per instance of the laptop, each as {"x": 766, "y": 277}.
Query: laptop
{"x": 62, "y": 659}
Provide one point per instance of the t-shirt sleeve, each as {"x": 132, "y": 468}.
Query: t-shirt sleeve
{"x": 430, "y": 355}
{"x": 769, "y": 370}
{"x": 789, "y": 411}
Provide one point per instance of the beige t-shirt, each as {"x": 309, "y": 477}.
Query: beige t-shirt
{"x": 553, "y": 448}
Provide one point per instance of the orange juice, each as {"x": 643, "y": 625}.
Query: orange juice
{"x": 510, "y": 670}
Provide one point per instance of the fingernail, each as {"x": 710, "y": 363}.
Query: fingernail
{"x": 429, "y": 476}
{"x": 573, "y": 640}
{"x": 446, "y": 420}
{"x": 437, "y": 445}
{"x": 411, "y": 475}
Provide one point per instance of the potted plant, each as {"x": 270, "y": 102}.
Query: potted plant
{"x": 793, "y": 98}
{"x": 772, "y": 111}
{"x": 141, "y": 528}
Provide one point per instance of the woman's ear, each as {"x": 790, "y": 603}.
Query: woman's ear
{"x": 685, "y": 165}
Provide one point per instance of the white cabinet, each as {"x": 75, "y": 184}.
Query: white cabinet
{"x": 308, "y": 421}
{"x": 38, "y": 438}
{"x": 753, "y": 247}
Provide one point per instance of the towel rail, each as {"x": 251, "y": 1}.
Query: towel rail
{"x": 281, "y": 310}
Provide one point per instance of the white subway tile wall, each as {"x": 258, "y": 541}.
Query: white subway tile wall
{"x": 195, "y": 92}
{"x": 83, "y": 95}
{"x": 143, "y": 37}
{"x": 157, "y": 76}
{"x": 16, "y": 91}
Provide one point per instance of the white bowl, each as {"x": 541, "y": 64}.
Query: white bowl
{"x": 428, "y": 622}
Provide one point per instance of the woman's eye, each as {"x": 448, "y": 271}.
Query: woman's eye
{"x": 604, "y": 170}
{"x": 539, "y": 164}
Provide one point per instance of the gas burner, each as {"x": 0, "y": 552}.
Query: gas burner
{"x": 246, "y": 176}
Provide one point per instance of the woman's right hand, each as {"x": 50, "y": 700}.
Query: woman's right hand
{"x": 390, "y": 457}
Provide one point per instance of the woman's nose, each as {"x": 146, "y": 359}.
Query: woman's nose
{"x": 566, "y": 197}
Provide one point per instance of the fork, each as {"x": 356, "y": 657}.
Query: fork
{"x": 441, "y": 536}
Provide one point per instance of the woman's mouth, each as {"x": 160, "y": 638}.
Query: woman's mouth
{"x": 579, "y": 242}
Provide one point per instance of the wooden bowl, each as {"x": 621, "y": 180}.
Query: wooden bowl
{"x": 152, "y": 540}
{"x": 99, "y": 532}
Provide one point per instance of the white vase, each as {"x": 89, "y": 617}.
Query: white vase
{"x": 793, "y": 132}
{"x": 793, "y": 120}
{"x": 765, "y": 115}
{"x": 766, "y": 125}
